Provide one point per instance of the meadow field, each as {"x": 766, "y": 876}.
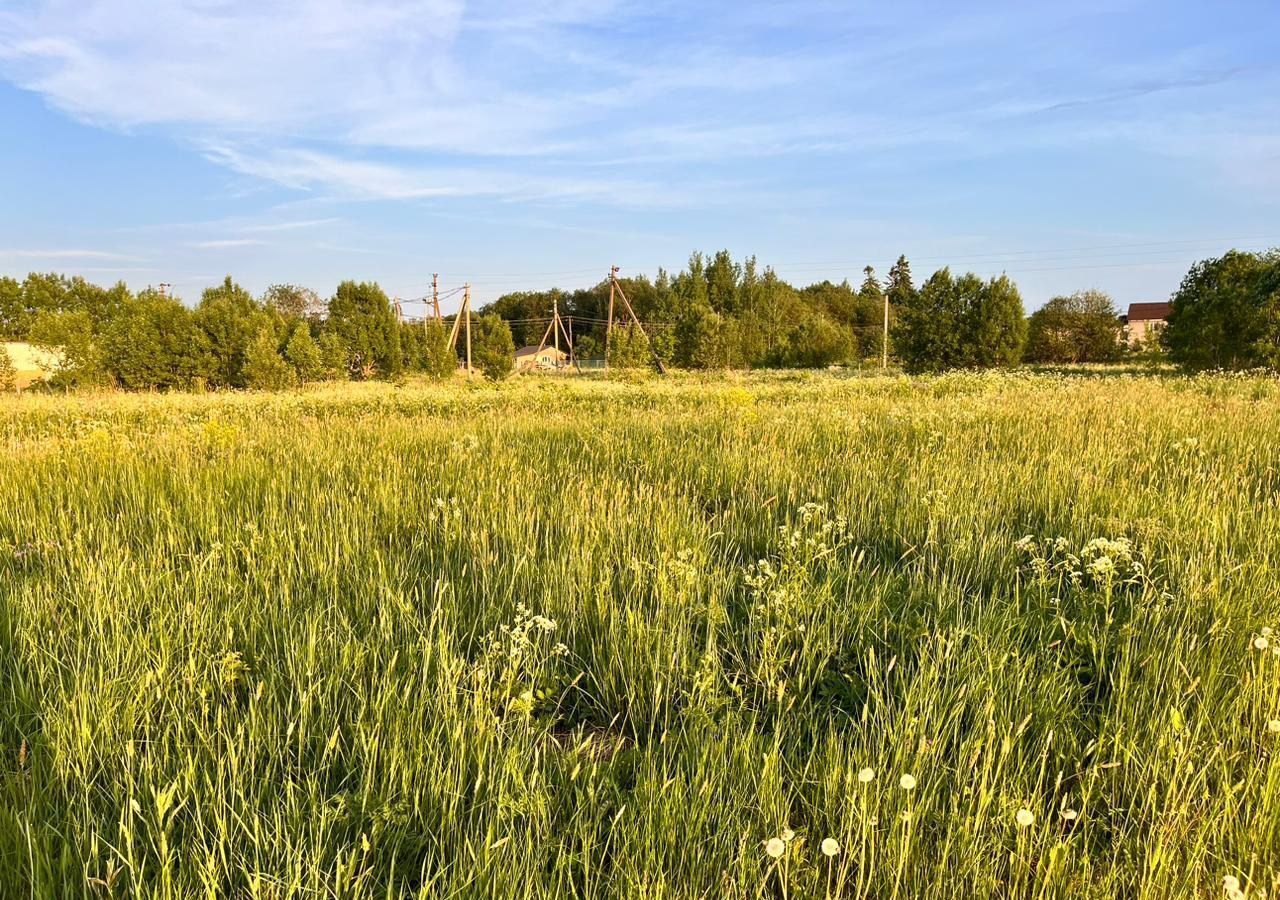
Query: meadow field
{"x": 772, "y": 635}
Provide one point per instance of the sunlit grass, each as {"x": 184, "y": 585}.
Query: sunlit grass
{"x": 799, "y": 635}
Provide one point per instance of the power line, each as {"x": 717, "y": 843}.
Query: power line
{"x": 1136, "y": 249}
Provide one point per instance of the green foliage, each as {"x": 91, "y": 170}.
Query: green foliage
{"x": 1226, "y": 313}
{"x": 69, "y": 337}
{"x": 335, "y": 359}
{"x": 1081, "y": 328}
{"x": 230, "y": 318}
{"x": 291, "y": 301}
{"x": 302, "y": 353}
{"x": 439, "y": 359}
{"x": 586, "y": 346}
{"x": 816, "y": 342}
{"x": 493, "y": 350}
{"x": 8, "y": 374}
{"x": 154, "y": 342}
{"x": 629, "y": 348}
{"x": 995, "y": 325}
{"x": 362, "y": 316}
{"x": 960, "y": 323}
{"x": 264, "y": 368}
{"x": 13, "y": 314}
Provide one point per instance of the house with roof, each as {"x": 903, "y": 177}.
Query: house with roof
{"x": 1145, "y": 321}
{"x": 533, "y": 357}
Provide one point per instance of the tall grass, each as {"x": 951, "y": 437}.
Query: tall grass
{"x": 591, "y": 639}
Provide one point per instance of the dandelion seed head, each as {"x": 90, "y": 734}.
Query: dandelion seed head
{"x": 907, "y": 782}
{"x": 788, "y": 835}
{"x": 1261, "y": 643}
{"x": 1265, "y": 632}
{"x": 1274, "y": 726}
{"x": 867, "y": 775}
{"x": 774, "y": 847}
{"x": 1026, "y": 818}
{"x": 1231, "y": 884}
{"x": 1069, "y": 814}
{"x": 830, "y": 847}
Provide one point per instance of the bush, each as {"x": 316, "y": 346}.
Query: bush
{"x": 629, "y": 348}
{"x": 494, "y": 351}
{"x": 69, "y": 336}
{"x": 264, "y": 368}
{"x": 440, "y": 360}
{"x": 1081, "y": 328}
{"x": 1226, "y": 313}
{"x": 303, "y": 354}
{"x": 154, "y": 342}
{"x": 335, "y": 360}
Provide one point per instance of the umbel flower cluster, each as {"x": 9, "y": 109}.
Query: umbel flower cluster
{"x": 1102, "y": 563}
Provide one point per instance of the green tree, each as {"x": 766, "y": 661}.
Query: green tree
{"x": 494, "y": 351}
{"x": 292, "y": 301}
{"x": 153, "y": 342}
{"x": 13, "y": 313}
{"x": 1083, "y": 327}
{"x": 960, "y": 322}
{"x": 1226, "y": 313}
{"x": 995, "y": 323}
{"x": 264, "y": 368}
{"x": 629, "y": 348}
{"x": 230, "y": 318}
{"x": 440, "y": 359}
{"x": 8, "y": 374}
{"x": 815, "y": 342}
{"x": 303, "y": 354}
{"x": 69, "y": 337}
{"x": 335, "y": 359}
{"x": 869, "y": 329}
{"x": 900, "y": 288}
{"x": 586, "y": 346}
{"x": 362, "y": 316}
{"x": 722, "y": 277}
{"x": 928, "y": 333}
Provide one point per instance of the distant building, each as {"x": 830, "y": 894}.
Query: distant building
{"x": 528, "y": 358}
{"x": 1144, "y": 321}
{"x": 31, "y": 363}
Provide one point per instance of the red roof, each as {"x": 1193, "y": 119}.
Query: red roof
{"x": 1148, "y": 312}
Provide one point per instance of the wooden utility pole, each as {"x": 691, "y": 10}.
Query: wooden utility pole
{"x": 556, "y": 328}
{"x": 435, "y": 295}
{"x": 466, "y": 304}
{"x": 608, "y": 329}
{"x": 613, "y": 278}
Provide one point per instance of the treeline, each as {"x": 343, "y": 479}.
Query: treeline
{"x": 716, "y": 313}
{"x": 229, "y": 339}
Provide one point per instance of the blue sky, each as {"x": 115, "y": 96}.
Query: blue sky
{"x": 532, "y": 144}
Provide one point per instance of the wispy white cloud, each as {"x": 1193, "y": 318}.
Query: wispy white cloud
{"x": 425, "y": 100}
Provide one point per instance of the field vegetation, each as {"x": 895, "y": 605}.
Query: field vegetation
{"x": 797, "y": 635}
